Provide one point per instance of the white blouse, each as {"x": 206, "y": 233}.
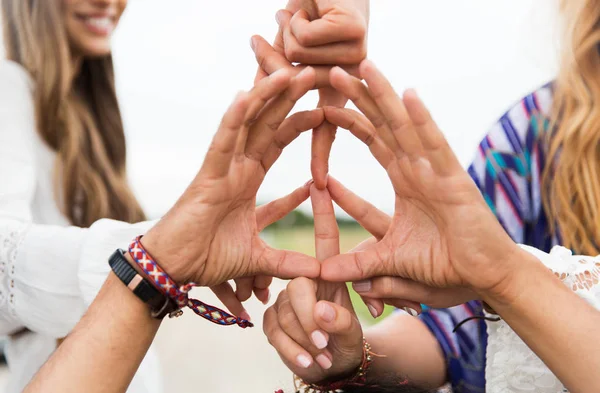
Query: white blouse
{"x": 511, "y": 366}
{"x": 50, "y": 272}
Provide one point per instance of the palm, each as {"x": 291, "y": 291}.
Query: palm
{"x": 442, "y": 234}
{"x": 441, "y": 211}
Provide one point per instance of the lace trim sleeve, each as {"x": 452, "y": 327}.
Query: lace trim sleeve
{"x": 11, "y": 238}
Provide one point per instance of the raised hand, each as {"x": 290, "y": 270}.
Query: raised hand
{"x": 396, "y": 291}
{"x": 331, "y": 32}
{"x": 211, "y": 235}
{"x": 324, "y": 31}
{"x": 265, "y": 216}
{"x": 312, "y": 325}
{"x": 442, "y": 234}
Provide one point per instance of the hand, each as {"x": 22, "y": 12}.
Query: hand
{"x": 324, "y": 31}
{"x": 395, "y": 291}
{"x": 442, "y": 235}
{"x": 265, "y": 216}
{"x": 211, "y": 234}
{"x": 314, "y": 320}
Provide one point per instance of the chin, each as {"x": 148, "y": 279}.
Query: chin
{"x": 93, "y": 49}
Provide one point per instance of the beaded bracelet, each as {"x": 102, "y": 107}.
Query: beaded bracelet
{"x": 167, "y": 286}
{"x": 358, "y": 379}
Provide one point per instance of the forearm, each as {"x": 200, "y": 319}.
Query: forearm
{"x": 409, "y": 350}
{"x": 105, "y": 349}
{"x": 559, "y": 326}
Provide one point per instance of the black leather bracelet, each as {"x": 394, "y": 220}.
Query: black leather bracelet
{"x": 160, "y": 304}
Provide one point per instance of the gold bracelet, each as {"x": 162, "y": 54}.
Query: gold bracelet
{"x": 359, "y": 377}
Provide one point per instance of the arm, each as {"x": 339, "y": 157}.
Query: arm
{"x": 106, "y": 347}
{"x": 214, "y": 221}
{"x": 409, "y": 349}
{"x": 465, "y": 247}
{"x": 531, "y": 301}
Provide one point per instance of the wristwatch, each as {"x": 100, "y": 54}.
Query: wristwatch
{"x": 160, "y": 304}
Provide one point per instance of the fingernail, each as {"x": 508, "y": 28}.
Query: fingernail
{"x": 268, "y": 297}
{"x": 411, "y": 311}
{"x": 324, "y": 362}
{"x": 244, "y": 315}
{"x": 373, "y": 311}
{"x": 278, "y": 17}
{"x": 340, "y": 69}
{"x": 253, "y": 43}
{"x": 304, "y": 361}
{"x": 326, "y": 312}
{"x": 305, "y": 71}
{"x": 319, "y": 339}
{"x": 362, "y": 286}
{"x": 309, "y": 183}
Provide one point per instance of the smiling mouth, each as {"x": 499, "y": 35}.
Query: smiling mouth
{"x": 100, "y": 25}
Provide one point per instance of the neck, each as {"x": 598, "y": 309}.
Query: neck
{"x": 76, "y": 62}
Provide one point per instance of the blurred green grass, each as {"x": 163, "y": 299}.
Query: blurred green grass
{"x": 302, "y": 239}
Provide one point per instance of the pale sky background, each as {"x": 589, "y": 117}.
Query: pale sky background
{"x": 179, "y": 64}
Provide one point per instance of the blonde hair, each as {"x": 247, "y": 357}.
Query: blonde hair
{"x": 77, "y": 115}
{"x": 571, "y": 178}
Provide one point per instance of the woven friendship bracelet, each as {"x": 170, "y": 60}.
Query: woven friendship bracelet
{"x": 180, "y": 294}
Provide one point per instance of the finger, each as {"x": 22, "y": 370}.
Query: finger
{"x": 327, "y": 29}
{"x": 261, "y": 288}
{"x": 438, "y": 152}
{"x": 289, "y": 130}
{"x": 368, "y": 216}
{"x": 283, "y": 264}
{"x": 302, "y": 294}
{"x": 361, "y": 128}
{"x": 258, "y": 97}
{"x": 260, "y": 75}
{"x": 372, "y": 262}
{"x": 265, "y": 128}
{"x": 411, "y": 308}
{"x": 290, "y": 351}
{"x": 243, "y": 288}
{"x": 323, "y": 138}
{"x": 393, "y": 109}
{"x": 365, "y": 244}
{"x": 270, "y": 60}
{"x": 282, "y": 17}
{"x": 375, "y": 306}
{"x": 265, "y": 91}
{"x": 227, "y": 296}
{"x": 335, "y": 319}
{"x": 327, "y": 233}
{"x": 344, "y": 53}
{"x": 356, "y": 91}
{"x": 276, "y": 210}
{"x": 220, "y": 153}
{"x": 406, "y": 290}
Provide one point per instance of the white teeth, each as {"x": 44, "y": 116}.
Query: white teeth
{"x": 101, "y": 23}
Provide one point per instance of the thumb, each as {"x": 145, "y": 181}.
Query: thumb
{"x": 283, "y": 18}
{"x": 339, "y": 321}
{"x": 373, "y": 261}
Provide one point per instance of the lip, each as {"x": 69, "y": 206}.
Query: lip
{"x": 96, "y": 23}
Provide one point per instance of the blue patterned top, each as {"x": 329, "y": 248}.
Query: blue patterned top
{"x": 507, "y": 169}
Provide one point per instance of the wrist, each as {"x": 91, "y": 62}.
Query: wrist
{"x": 173, "y": 261}
{"x": 516, "y": 274}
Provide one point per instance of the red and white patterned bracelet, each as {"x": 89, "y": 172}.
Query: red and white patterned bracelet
{"x": 180, "y": 294}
